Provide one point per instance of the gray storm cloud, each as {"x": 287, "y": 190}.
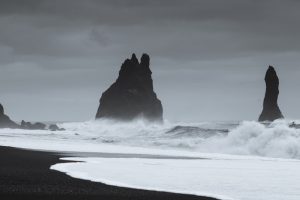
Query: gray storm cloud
{"x": 208, "y": 57}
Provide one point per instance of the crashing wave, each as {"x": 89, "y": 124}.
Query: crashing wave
{"x": 275, "y": 139}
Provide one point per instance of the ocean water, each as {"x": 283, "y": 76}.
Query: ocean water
{"x": 237, "y": 138}
{"x": 230, "y": 160}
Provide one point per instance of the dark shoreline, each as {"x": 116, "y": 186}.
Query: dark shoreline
{"x": 25, "y": 174}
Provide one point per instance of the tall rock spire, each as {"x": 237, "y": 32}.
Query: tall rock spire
{"x": 132, "y": 94}
{"x": 271, "y": 110}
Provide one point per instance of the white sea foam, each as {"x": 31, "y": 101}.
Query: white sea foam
{"x": 245, "y": 138}
{"x": 252, "y": 138}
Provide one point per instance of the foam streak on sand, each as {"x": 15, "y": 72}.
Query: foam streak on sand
{"x": 220, "y": 178}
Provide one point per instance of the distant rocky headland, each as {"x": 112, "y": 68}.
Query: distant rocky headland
{"x": 6, "y": 122}
{"x": 132, "y": 94}
{"x": 271, "y": 109}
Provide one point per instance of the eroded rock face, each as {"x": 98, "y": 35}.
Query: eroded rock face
{"x": 132, "y": 94}
{"x": 5, "y": 121}
{"x": 54, "y": 127}
{"x": 271, "y": 110}
{"x": 31, "y": 126}
{"x": 40, "y": 126}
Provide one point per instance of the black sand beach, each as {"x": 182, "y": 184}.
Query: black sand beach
{"x": 25, "y": 174}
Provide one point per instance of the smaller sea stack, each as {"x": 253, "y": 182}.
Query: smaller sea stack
{"x": 132, "y": 95}
{"x": 271, "y": 110}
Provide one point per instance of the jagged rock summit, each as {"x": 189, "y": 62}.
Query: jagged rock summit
{"x": 271, "y": 110}
{"x": 5, "y": 121}
{"x": 132, "y": 95}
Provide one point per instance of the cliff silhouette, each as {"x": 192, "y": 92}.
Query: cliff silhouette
{"x": 271, "y": 109}
{"x": 132, "y": 94}
{"x": 5, "y": 121}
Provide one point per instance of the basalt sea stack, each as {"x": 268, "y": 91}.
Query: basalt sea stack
{"x": 5, "y": 121}
{"x": 271, "y": 110}
{"x": 132, "y": 95}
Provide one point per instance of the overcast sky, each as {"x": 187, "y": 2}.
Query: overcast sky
{"x": 208, "y": 57}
